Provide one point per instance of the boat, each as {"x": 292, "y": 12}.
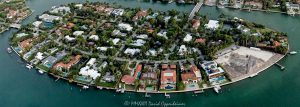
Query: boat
{"x": 85, "y": 87}
{"x": 29, "y": 66}
{"x": 170, "y": 1}
{"x": 41, "y": 72}
{"x": 293, "y": 52}
{"x": 217, "y": 88}
{"x": 9, "y": 50}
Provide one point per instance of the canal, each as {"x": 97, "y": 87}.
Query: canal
{"x": 20, "y": 87}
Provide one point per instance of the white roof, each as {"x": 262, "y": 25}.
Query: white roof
{"x": 90, "y": 69}
{"x": 78, "y": 33}
{"x": 37, "y": 23}
{"x": 163, "y": 34}
{"x": 102, "y": 48}
{"x": 182, "y": 49}
{"x": 39, "y": 56}
{"x": 78, "y": 5}
{"x": 60, "y": 9}
{"x": 94, "y": 37}
{"x": 131, "y": 51}
{"x": 86, "y": 71}
{"x": 115, "y": 41}
{"x": 142, "y": 36}
{"x": 69, "y": 38}
{"x": 187, "y": 38}
{"x": 49, "y": 18}
{"x": 212, "y": 24}
{"x": 125, "y": 26}
{"x": 21, "y": 35}
{"x": 138, "y": 42}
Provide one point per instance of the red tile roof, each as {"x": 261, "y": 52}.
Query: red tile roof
{"x": 68, "y": 65}
{"x": 165, "y": 66}
{"x": 188, "y": 76}
{"x": 200, "y": 40}
{"x": 173, "y": 66}
{"x": 127, "y": 79}
{"x": 138, "y": 70}
{"x": 165, "y": 77}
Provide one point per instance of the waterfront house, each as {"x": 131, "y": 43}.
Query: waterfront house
{"x": 211, "y": 69}
{"x": 212, "y": 24}
{"x": 11, "y": 14}
{"x": 37, "y": 23}
{"x": 168, "y": 77}
{"x": 90, "y": 70}
{"x": 128, "y": 80}
{"x": 188, "y": 77}
{"x": 61, "y": 65}
{"x": 51, "y": 60}
{"x": 196, "y": 71}
{"x": 26, "y": 44}
{"x": 141, "y": 14}
{"x": 108, "y": 77}
{"x": 49, "y": 18}
{"x": 61, "y": 10}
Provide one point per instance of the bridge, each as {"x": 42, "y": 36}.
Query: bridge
{"x": 17, "y": 26}
{"x": 195, "y": 9}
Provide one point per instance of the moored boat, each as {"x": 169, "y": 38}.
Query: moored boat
{"x": 217, "y": 88}
{"x": 9, "y": 50}
{"x": 29, "y": 66}
{"x": 293, "y": 52}
{"x": 85, "y": 87}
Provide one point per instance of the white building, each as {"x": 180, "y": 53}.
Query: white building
{"x": 132, "y": 52}
{"x": 124, "y": 26}
{"x": 187, "y": 38}
{"x": 49, "y": 18}
{"x": 69, "y": 39}
{"x": 182, "y": 50}
{"x": 138, "y": 42}
{"x": 90, "y": 69}
{"x": 37, "y": 23}
{"x": 116, "y": 41}
{"x": 61, "y": 9}
{"x": 94, "y": 37}
{"x": 78, "y": 33}
{"x": 212, "y": 24}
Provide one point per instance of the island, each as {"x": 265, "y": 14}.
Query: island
{"x": 12, "y": 12}
{"x": 145, "y": 50}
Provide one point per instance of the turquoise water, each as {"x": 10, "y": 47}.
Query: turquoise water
{"x": 20, "y": 87}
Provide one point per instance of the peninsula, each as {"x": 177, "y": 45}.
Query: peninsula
{"x": 144, "y": 50}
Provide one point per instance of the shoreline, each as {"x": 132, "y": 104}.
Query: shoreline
{"x": 78, "y": 83}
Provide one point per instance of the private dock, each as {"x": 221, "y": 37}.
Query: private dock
{"x": 167, "y": 95}
{"x": 199, "y": 91}
{"x": 281, "y": 66}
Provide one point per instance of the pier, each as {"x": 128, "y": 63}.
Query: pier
{"x": 281, "y": 66}
{"x": 196, "y": 9}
